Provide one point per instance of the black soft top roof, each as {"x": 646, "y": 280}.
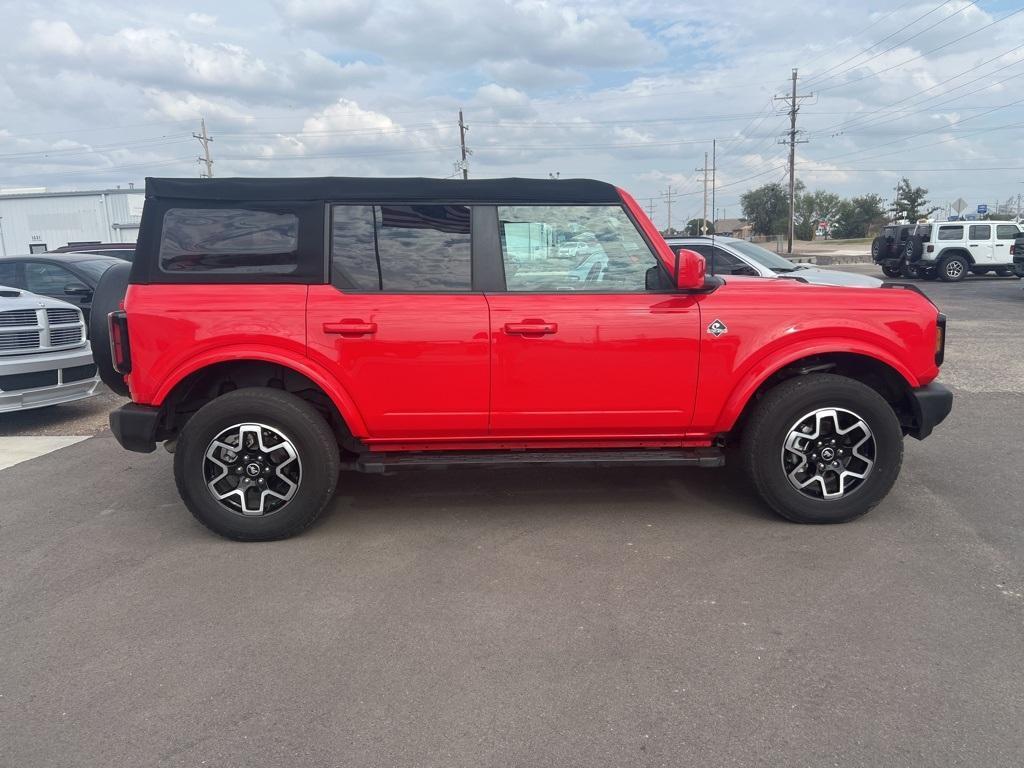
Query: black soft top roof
{"x": 407, "y": 190}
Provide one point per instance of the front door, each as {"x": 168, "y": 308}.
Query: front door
{"x": 581, "y": 346}
{"x": 399, "y": 325}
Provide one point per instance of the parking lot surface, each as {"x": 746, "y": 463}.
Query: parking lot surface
{"x": 537, "y": 617}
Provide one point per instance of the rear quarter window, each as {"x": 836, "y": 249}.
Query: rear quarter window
{"x": 229, "y": 241}
{"x": 951, "y": 233}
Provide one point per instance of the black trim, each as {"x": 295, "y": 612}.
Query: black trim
{"x": 940, "y": 326}
{"x": 929, "y": 405}
{"x": 488, "y": 265}
{"x": 512, "y": 191}
{"x": 134, "y": 426}
{"x": 910, "y": 287}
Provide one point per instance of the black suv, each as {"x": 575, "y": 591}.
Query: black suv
{"x": 887, "y": 249}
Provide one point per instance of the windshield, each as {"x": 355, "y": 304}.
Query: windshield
{"x": 95, "y": 269}
{"x": 764, "y": 257}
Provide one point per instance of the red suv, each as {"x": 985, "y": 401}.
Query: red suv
{"x": 275, "y": 331}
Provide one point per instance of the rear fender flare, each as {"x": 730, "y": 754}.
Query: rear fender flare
{"x": 342, "y": 400}
{"x": 767, "y": 366}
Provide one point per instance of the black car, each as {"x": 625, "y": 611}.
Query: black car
{"x": 68, "y": 276}
{"x": 887, "y": 249}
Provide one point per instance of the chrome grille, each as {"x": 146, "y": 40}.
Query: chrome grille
{"x": 12, "y": 341}
{"x": 61, "y": 336}
{"x": 60, "y": 316}
{"x": 17, "y": 317}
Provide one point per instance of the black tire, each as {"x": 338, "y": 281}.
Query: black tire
{"x": 781, "y": 409}
{"x": 1003, "y": 272}
{"x": 891, "y": 270}
{"x": 291, "y": 417}
{"x": 931, "y": 273}
{"x": 953, "y": 268}
{"x": 913, "y": 248}
{"x": 107, "y": 298}
{"x": 879, "y": 248}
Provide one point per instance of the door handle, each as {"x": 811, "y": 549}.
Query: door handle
{"x": 351, "y": 328}
{"x": 538, "y": 328}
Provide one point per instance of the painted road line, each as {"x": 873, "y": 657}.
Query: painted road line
{"x": 14, "y": 450}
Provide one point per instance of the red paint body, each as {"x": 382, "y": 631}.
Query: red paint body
{"x": 517, "y": 370}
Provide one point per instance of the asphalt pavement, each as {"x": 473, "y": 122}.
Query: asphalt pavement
{"x": 537, "y": 617}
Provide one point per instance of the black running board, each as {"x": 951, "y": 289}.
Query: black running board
{"x": 380, "y": 463}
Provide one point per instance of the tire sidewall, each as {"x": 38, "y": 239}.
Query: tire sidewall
{"x": 944, "y": 265}
{"x": 318, "y": 471}
{"x": 852, "y": 396}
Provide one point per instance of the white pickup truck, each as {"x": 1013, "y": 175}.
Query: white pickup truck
{"x": 44, "y": 357}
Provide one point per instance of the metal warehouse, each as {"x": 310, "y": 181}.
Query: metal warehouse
{"x": 34, "y": 220}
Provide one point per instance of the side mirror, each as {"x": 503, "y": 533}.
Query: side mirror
{"x": 77, "y": 289}
{"x": 690, "y": 268}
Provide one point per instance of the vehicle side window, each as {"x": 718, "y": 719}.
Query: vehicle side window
{"x": 229, "y": 241}
{"x": 401, "y": 248}
{"x": 424, "y": 248}
{"x": 979, "y": 232}
{"x": 9, "y": 274}
{"x": 48, "y": 279}
{"x": 1007, "y": 232}
{"x": 951, "y": 233}
{"x": 593, "y": 248}
{"x": 726, "y": 260}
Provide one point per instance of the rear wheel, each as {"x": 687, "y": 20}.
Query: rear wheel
{"x": 952, "y": 269}
{"x": 891, "y": 270}
{"x": 822, "y": 448}
{"x": 256, "y": 464}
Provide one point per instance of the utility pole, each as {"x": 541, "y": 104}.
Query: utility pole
{"x": 205, "y": 140}
{"x": 462, "y": 141}
{"x": 794, "y": 107}
{"x": 705, "y": 171}
{"x": 650, "y": 207}
{"x": 668, "y": 196}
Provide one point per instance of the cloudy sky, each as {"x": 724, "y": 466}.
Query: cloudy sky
{"x": 98, "y": 93}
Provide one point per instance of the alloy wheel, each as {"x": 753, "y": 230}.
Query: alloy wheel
{"x": 828, "y": 453}
{"x": 252, "y": 469}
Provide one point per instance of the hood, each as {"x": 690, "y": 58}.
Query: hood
{"x": 15, "y": 298}
{"x": 835, "y": 277}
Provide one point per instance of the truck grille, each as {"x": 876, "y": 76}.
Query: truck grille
{"x": 17, "y": 317}
{"x": 11, "y": 341}
{"x": 62, "y": 316}
{"x": 23, "y": 331}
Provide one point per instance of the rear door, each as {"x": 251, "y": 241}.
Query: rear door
{"x": 981, "y": 244}
{"x": 1006, "y": 234}
{"x": 400, "y": 324}
{"x": 587, "y": 353}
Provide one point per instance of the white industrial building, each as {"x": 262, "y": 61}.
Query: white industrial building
{"x": 34, "y": 220}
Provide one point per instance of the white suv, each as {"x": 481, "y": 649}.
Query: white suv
{"x": 948, "y": 250}
{"x": 44, "y": 357}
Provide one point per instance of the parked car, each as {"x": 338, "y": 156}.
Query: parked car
{"x": 732, "y": 256}
{"x": 949, "y": 250}
{"x": 887, "y": 249}
{"x": 71, "y": 277}
{"x": 1018, "y": 257}
{"x": 44, "y": 358}
{"x": 269, "y": 351}
{"x": 125, "y": 251}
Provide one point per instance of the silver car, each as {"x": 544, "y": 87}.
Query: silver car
{"x": 731, "y": 256}
{"x": 44, "y": 356}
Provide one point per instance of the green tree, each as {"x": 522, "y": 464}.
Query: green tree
{"x": 767, "y": 209}
{"x": 811, "y": 209}
{"x": 693, "y": 227}
{"x": 911, "y": 202}
{"x": 858, "y": 216}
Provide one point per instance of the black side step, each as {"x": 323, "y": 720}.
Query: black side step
{"x": 379, "y": 463}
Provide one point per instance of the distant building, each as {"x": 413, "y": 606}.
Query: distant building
{"x": 34, "y": 220}
{"x": 734, "y": 228}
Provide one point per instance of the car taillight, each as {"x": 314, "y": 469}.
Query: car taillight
{"x": 930, "y": 249}
{"x": 940, "y": 339}
{"x": 120, "y": 352}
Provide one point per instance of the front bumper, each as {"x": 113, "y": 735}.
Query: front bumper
{"x": 135, "y": 427}
{"x": 929, "y": 406}
{"x": 20, "y": 397}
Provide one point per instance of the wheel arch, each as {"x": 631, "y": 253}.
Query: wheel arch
{"x": 954, "y": 252}
{"x": 872, "y": 368}
{"x": 209, "y": 376}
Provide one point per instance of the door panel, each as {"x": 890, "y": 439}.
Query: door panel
{"x": 416, "y": 365}
{"x": 980, "y": 243}
{"x": 595, "y": 364}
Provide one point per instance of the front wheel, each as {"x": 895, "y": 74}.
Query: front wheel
{"x": 256, "y": 464}
{"x": 822, "y": 448}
